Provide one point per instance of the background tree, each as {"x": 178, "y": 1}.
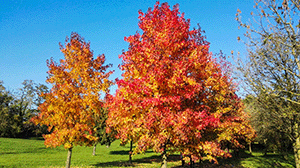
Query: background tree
{"x": 6, "y": 117}
{"x": 25, "y": 105}
{"x": 75, "y": 96}
{"x": 18, "y": 108}
{"x": 105, "y": 138}
{"x": 272, "y": 68}
{"x": 174, "y": 96}
{"x": 269, "y": 131}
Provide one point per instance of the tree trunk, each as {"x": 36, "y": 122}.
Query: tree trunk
{"x": 130, "y": 153}
{"x": 250, "y": 149}
{"x": 191, "y": 162}
{"x": 296, "y": 146}
{"x": 283, "y": 148}
{"x": 182, "y": 160}
{"x": 68, "y": 162}
{"x": 164, "y": 159}
{"x": 297, "y": 152}
{"x": 266, "y": 147}
{"x": 94, "y": 150}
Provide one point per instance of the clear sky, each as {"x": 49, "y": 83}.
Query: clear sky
{"x": 30, "y": 30}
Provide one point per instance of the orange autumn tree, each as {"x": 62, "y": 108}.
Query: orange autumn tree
{"x": 75, "y": 97}
{"x": 173, "y": 95}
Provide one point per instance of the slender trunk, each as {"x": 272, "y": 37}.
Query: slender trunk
{"x": 182, "y": 160}
{"x": 297, "y": 152}
{"x": 164, "y": 159}
{"x": 94, "y": 150}
{"x": 250, "y": 149}
{"x": 130, "y": 153}
{"x": 283, "y": 148}
{"x": 297, "y": 146}
{"x": 68, "y": 162}
{"x": 191, "y": 162}
{"x": 266, "y": 147}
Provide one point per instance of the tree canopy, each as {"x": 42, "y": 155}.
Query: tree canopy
{"x": 173, "y": 95}
{"x": 75, "y": 97}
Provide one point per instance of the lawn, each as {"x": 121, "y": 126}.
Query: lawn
{"x": 32, "y": 153}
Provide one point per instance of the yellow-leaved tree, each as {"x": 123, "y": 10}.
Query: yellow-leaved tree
{"x": 75, "y": 97}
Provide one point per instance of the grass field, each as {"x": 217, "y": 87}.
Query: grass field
{"x": 32, "y": 153}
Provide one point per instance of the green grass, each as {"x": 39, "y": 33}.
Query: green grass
{"x": 32, "y": 153}
{"x": 258, "y": 159}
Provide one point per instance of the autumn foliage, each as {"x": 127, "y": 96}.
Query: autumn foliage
{"x": 75, "y": 97}
{"x": 173, "y": 95}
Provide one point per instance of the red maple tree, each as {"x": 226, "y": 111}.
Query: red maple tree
{"x": 173, "y": 95}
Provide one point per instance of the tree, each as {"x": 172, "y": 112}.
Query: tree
{"x": 24, "y": 107}
{"x": 174, "y": 96}
{"x": 269, "y": 131}
{"x": 105, "y": 138}
{"x": 271, "y": 70}
{"x": 6, "y": 118}
{"x": 18, "y": 108}
{"x": 75, "y": 96}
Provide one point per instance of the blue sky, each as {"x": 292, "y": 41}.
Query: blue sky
{"x": 30, "y": 30}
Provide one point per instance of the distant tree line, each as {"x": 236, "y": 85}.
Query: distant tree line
{"x": 18, "y": 107}
{"x": 271, "y": 73}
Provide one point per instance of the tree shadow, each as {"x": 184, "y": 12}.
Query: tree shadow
{"x": 232, "y": 162}
{"x": 34, "y": 150}
{"x": 124, "y": 152}
{"x": 135, "y": 162}
{"x": 265, "y": 161}
{"x": 36, "y": 138}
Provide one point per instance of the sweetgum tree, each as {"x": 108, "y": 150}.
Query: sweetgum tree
{"x": 75, "y": 97}
{"x": 173, "y": 95}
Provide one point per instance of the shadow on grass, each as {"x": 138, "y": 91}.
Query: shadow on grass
{"x": 36, "y": 138}
{"x": 271, "y": 160}
{"x": 136, "y": 162}
{"x": 124, "y": 152}
{"x": 236, "y": 161}
{"x": 232, "y": 162}
{"x": 34, "y": 150}
{"x": 41, "y": 150}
